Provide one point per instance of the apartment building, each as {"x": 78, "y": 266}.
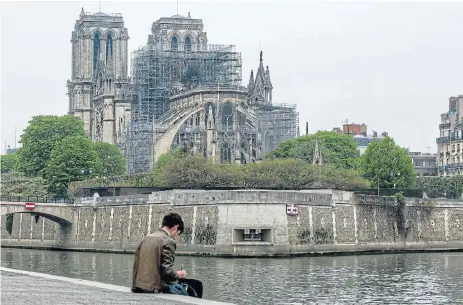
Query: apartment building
{"x": 450, "y": 140}
{"x": 424, "y": 163}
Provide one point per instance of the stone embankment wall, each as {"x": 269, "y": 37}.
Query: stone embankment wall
{"x": 216, "y": 221}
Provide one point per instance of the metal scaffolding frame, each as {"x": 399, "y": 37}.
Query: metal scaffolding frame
{"x": 159, "y": 74}
{"x": 277, "y": 123}
{"x": 137, "y": 142}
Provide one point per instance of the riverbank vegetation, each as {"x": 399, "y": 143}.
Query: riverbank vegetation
{"x": 178, "y": 169}
{"x": 56, "y": 158}
{"x": 54, "y": 153}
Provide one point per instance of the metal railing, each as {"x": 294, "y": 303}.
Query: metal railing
{"x": 37, "y": 199}
{"x": 100, "y": 14}
{"x": 444, "y": 126}
{"x": 450, "y": 166}
{"x": 448, "y": 139}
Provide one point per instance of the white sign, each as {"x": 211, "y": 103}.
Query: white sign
{"x": 292, "y": 210}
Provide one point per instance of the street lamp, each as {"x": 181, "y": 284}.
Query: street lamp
{"x": 398, "y": 174}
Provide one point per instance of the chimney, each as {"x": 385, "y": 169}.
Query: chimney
{"x": 306, "y": 128}
{"x": 375, "y": 134}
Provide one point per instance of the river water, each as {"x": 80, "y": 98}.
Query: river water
{"x": 424, "y": 278}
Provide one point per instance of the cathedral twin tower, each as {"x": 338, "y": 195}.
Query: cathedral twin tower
{"x": 99, "y": 89}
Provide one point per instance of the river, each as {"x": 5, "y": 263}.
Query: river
{"x": 423, "y": 278}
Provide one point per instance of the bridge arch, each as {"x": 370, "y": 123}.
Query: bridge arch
{"x": 60, "y": 214}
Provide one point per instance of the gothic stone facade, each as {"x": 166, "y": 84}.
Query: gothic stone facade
{"x": 178, "y": 33}
{"x": 98, "y": 90}
{"x": 220, "y": 123}
{"x": 228, "y": 124}
{"x": 217, "y": 123}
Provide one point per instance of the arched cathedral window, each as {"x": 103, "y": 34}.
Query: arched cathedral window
{"x": 227, "y": 117}
{"x": 225, "y": 153}
{"x": 174, "y": 44}
{"x": 96, "y": 49}
{"x": 188, "y": 44}
{"x": 109, "y": 47}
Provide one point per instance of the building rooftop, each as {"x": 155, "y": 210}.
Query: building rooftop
{"x": 369, "y": 137}
{"x": 178, "y": 16}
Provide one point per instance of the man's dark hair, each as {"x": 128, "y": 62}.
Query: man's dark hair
{"x": 173, "y": 219}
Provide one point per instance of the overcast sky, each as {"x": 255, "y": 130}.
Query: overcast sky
{"x": 392, "y": 66}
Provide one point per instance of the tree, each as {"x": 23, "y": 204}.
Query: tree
{"x": 164, "y": 161}
{"x": 41, "y": 137}
{"x": 183, "y": 170}
{"x": 16, "y": 184}
{"x": 339, "y": 150}
{"x": 111, "y": 158}
{"x": 73, "y": 159}
{"x": 386, "y": 164}
{"x": 449, "y": 187}
{"x": 177, "y": 169}
{"x": 8, "y": 163}
{"x": 340, "y": 178}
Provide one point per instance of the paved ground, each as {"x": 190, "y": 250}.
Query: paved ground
{"x": 23, "y": 287}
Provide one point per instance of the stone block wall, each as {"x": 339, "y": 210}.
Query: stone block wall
{"x": 326, "y": 222}
{"x": 30, "y": 229}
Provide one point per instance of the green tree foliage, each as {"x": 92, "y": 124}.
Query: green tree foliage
{"x": 8, "y": 163}
{"x": 111, "y": 158}
{"x": 177, "y": 169}
{"x": 447, "y": 187}
{"x": 41, "y": 137}
{"x": 188, "y": 171}
{"x": 72, "y": 160}
{"x": 338, "y": 150}
{"x": 17, "y": 184}
{"x": 386, "y": 163}
{"x": 163, "y": 161}
{"x": 184, "y": 170}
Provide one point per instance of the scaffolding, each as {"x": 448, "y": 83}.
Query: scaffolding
{"x": 137, "y": 142}
{"x": 159, "y": 74}
{"x": 277, "y": 123}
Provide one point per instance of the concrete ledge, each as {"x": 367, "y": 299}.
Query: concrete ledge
{"x": 40, "y": 288}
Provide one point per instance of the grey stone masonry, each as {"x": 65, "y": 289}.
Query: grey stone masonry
{"x": 212, "y": 197}
{"x": 112, "y": 200}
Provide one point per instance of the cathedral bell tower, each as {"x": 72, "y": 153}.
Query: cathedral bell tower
{"x": 98, "y": 90}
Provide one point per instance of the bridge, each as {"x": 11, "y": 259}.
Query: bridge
{"x": 63, "y": 214}
{"x": 60, "y": 213}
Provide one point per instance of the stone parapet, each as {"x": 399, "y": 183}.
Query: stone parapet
{"x": 208, "y": 197}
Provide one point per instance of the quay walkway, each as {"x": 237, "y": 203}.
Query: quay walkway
{"x": 25, "y": 287}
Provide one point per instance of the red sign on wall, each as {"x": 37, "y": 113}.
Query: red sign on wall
{"x": 30, "y": 206}
{"x": 292, "y": 210}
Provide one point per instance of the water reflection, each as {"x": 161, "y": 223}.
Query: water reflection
{"x": 377, "y": 279}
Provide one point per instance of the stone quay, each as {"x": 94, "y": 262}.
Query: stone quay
{"x": 243, "y": 223}
{"x": 40, "y": 288}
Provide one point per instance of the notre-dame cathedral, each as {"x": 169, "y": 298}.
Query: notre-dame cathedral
{"x": 182, "y": 92}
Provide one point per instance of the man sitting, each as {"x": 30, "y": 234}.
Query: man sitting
{"x": 153, "y": 268}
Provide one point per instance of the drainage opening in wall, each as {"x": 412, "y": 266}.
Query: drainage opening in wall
{"x": 252, "y": 235}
